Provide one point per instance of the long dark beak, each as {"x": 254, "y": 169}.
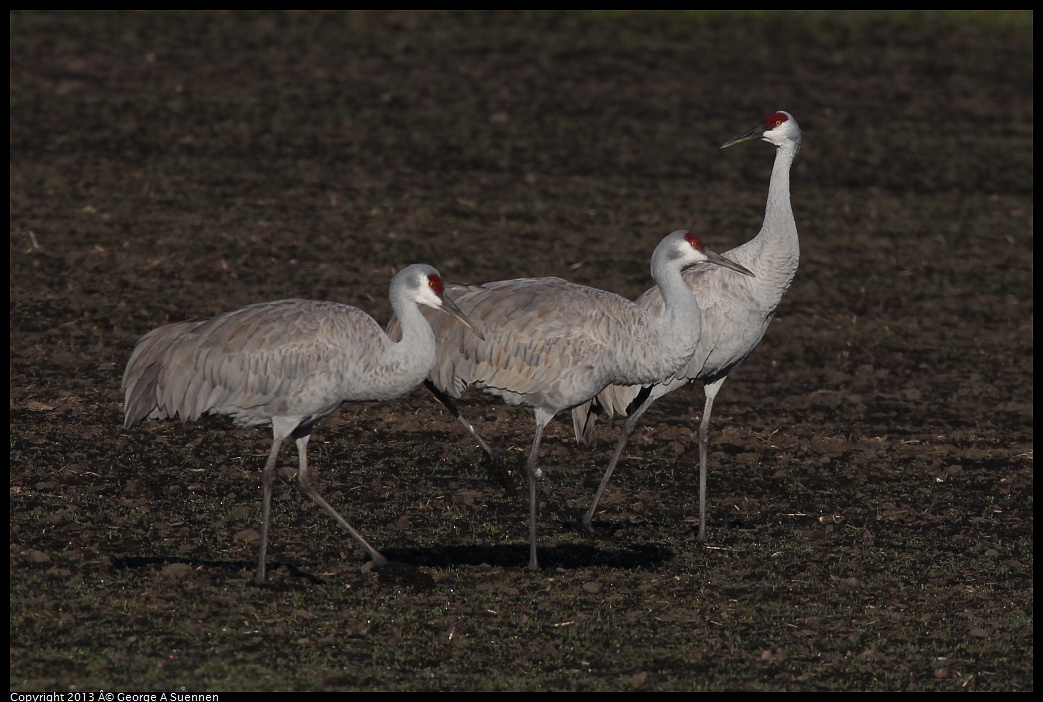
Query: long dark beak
{"x": 754, "y": 133}
{"x": 727, "y": 263}
{"x": 450, "y": 308}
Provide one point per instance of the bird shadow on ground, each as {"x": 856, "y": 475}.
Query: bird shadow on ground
{"x": 571, "y": 556}
{"x": 403, "y": 564}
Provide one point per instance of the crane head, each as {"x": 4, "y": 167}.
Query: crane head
{"x": 688, "y": 249}
{"x": 445, "y": 303}
{"x": 776, "y": 128}
{"x": 710, "y": 257}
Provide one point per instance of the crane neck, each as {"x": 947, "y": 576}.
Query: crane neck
{"x": 415, "y": 350}
{"x": 773, "y": 255}
{"x": 779, "y": 209}
{"x": 656, "y": 348}
{"x": 681, "y": 316}
{"x": 412, "y": 322}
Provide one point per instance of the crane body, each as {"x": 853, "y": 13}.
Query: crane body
{"x": 287, "y": 364}
{"x": 736, "y": 312}
{"x": 552, "y": 345}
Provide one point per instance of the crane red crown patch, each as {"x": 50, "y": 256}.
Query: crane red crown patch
{"x": 695, "y": 241}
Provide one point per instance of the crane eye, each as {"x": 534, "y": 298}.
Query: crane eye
{"x": 435, "y": 283}
{"x": 695, "y": 241}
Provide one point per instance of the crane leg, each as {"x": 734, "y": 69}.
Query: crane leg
{"x": 448, "y": 403}
{"x": 711, "y": 391}
{"x": 268, "y": 481}
{"x": 624, "y": 435}
{"x": 494, "y": 463}
{"x": 304, "y": 482}
{"x": 533, "y": 470}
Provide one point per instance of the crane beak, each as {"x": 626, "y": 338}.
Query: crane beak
{"x": 450, "y": 308}
{"x": 720, "y": 260}
{"x": 754, "y": 133}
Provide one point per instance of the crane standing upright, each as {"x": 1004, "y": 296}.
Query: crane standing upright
{"x": 287, "y": 364}
{"x": 552, "y": 345}
{"x": 736, "y": 311}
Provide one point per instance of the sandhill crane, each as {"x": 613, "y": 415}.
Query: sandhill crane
{"x": 736, "y": 310}
{"x": 551, "y": 345}
{"x": 287, "y": 364}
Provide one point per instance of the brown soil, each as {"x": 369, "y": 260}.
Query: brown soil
{"x": 871, "y": 487}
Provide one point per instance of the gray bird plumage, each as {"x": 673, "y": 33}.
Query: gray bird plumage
{"x": 736, "y": 311}
{"x": 286, "y": 364}
{"x": 552, "y": 345}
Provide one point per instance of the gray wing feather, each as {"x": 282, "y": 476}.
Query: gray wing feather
{"x": 277, "y": 358}
{"x": 542, "y": 336}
